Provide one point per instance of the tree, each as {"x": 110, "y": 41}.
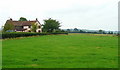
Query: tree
{"x": 8, "y": 26}
{"x": 34, "y": 27}
{"x": 22, "y": 19}
{"x": 68, "y": 30}
{"x": 104, "y": 32}
{"x": 81, "y": 31}
{"x": 110, "y": 32}
{"x": 100, "y": 31}
{"x": 76, "y": 30}
{"x": 50, "y": 25}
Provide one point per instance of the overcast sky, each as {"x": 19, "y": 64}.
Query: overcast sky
{"x": 82, "y": 14}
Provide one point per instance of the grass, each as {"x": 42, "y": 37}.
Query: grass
{"x": 61, "y": 51}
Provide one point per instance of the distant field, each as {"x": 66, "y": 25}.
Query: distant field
{"x": 61, "y": 51}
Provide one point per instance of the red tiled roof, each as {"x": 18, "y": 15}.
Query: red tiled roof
{"x": 23, "y": 23}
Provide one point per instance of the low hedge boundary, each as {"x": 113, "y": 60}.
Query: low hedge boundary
{"x": 25, "y": 34}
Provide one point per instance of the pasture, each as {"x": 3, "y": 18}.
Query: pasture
{"x": 61, "y": 51}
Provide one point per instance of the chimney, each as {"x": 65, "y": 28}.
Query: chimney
{"x": 11, "y": 19}
{"x": 36, "y": 19}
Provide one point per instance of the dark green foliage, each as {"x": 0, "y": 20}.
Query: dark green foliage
{"x": 76, "y": 30}
{"x": 8, "y": 26}
{"x": 50, "y": 25}
{"x": 100, "y": 31}
{"x": 110, "y": 32}
{"x": 81, "y": 31}
{"x": 22, "y": 19}
{"x": 68, "y": 30}
{"x": 20, "y": 34}
{"x": 25, "y": 34}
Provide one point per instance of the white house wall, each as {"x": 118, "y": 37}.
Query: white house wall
{"x": 37, "y": 23}
{"x": 25, "y": 27}
{"x": 39, "y": 29}
{"x": 28, "y": 28}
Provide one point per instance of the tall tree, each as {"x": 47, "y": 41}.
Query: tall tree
{"x": 51, "y": 25}
{"x": 8, "y": 26}
{"x": 76, "y": 30}
{"x": 100, "y": 31}
{"x": 22, "y": 19}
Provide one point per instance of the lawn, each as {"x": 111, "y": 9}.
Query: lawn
{"x": 61, "y": 51}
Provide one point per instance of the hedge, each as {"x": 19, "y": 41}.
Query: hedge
{"x": 25, "y": 34}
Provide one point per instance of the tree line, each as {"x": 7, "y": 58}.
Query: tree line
{"x": 76, "y": 30}
{"x": 52, "y": 25}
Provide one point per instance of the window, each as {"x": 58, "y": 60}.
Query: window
{"x": 39, "y": 26}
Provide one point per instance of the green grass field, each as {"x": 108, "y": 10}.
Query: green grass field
{"x": 61, "y": 51}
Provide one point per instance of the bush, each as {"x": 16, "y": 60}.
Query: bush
{"x": 25, "y": 34}
{"x": 19, "y": 34}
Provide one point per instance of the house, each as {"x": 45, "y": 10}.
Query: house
{"x": 24, "y": 26}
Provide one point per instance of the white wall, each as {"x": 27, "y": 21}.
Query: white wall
{"x": 39, "y": 29}
{"x": 25, "y": 27}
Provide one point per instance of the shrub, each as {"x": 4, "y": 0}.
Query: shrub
{"x": 25, "y": 34}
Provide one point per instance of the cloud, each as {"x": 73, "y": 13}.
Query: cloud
{"x": 86, "y": 14}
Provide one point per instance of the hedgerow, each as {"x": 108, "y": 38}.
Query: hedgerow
{"x": 25, "y": 34}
